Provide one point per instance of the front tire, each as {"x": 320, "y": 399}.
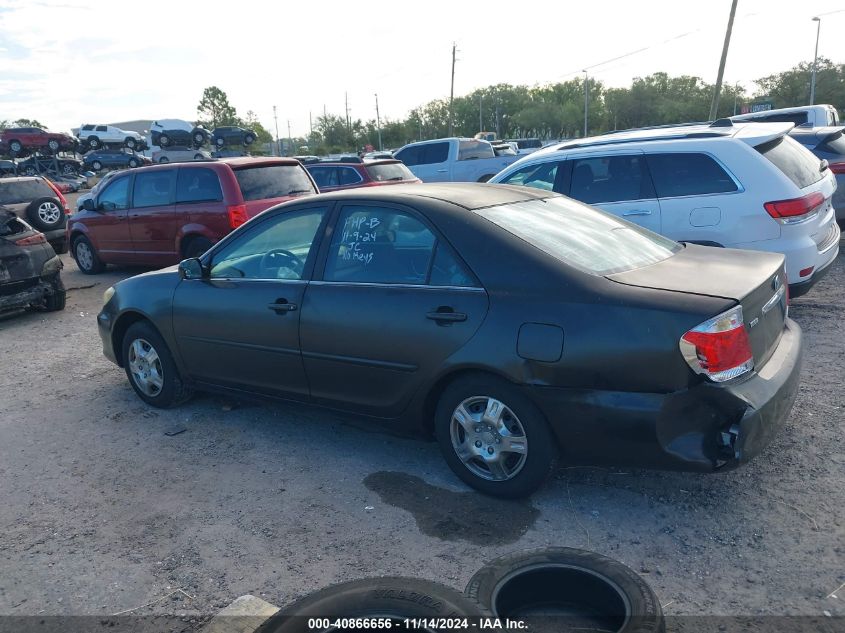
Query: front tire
{"x": 130, "y": 143}
{"x": 249, "y": 139}
{"x": 133, "y": 163}
{"x": 53, "y": 145}
{"x": 163, "y": 140}
{"x": 86, "y": 257}
{"x": 493, "y": 437}
{"x": 97, "y": 165}
{"x": 93, "y": 142}
{"x": 15, "y": 147}
{"x": 150, "y": 367}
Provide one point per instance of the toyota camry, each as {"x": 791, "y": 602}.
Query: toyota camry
{"x": 516, "y": 326}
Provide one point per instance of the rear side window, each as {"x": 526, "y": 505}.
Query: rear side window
{"x": 684, "y": 174}
{"x": 24, "y": 191}
{"x": 197, "y": 185}
{"x": 580, "y": 236}
{"x": 389, "y": 172}
{"x": 348, "y": 176}
{"x": 610, "y": 179}
{"x": 794, "y": 160}
{"x": 273, "y": 181}
{"x": 324, "y": 176}
{"x": 153, "y": 188}
{"x": 434, "y": 153}
{"x": 469, "y": 150}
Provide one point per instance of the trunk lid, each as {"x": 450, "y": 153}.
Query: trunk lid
{"x": 755, "y": 280}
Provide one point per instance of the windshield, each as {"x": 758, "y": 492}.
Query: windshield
{"x": 581, "y": 236}
{"x": 273, "y": 181}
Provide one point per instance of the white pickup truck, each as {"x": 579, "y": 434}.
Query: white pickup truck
{"x": 453, "y": 160}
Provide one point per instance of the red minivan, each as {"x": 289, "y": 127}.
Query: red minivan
{"x": 162, "y": 214}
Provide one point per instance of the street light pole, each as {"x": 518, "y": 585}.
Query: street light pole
{"x": 586, "y": 100}
{"x": 818, "y": 22}
{"x": 276, "y": 120}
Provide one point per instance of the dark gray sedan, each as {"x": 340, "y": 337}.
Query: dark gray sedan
{"x": 516, "y": 325}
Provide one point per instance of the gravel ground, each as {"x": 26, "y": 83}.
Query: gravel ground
{"x": 101, "y": 511}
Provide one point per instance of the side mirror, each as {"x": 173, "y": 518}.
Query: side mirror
{"x": 88, "y": 204}
{"x": 191, "y": 269}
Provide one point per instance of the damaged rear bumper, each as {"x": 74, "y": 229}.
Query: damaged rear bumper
{"x": 705, "y": 428}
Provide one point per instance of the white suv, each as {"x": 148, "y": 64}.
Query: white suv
{"x": 740, "y": 185}
{"x": 98, "y": 135}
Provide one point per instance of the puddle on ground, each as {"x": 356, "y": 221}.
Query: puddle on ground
{"x": 454, "y": 516}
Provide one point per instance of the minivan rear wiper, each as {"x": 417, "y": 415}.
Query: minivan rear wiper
{"x": 294, "y": 191}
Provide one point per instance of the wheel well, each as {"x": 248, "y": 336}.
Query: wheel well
{"x": 429, "y": 406}
{"x": 486, "y": 177}
{"x": 124, "y": 322}
{"x": 186, "y": 242}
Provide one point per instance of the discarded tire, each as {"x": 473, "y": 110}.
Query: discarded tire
{"x": 389, "y": 597}
{"x": 562, "y": 589}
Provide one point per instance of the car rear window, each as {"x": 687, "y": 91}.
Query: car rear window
{"x": 24, "y": 191}
{"x": 273, "y": 181}
{"x": 387, "y": 172}
{"x": 581, "y": 236}
{"x": 793, "y": 159}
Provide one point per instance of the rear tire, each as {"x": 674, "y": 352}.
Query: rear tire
{"x": 163, "y": 159}
{"x": 133, "y": 163}
{"x": 94, "y": 142}
{"x": 249, "y": 139}
{"x": 53, "y": 145}
{"x": 163, "y": 140}
{"x": 130, "y": 143}
{"x": 96, "y": 165}
{"x": 150, "y": 367}
{"x": 86, "y": 257}
{"x": 508, "y": 452}
{"x": 15, "y": 147}
{"x": 55, "y": 301}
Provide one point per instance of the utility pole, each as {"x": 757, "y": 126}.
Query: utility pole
{"x": 714, "y": 105}
{"x": 290, "y": 141}
{"x": 586, "y": 101}
{"x": 452, "y": 90}
{"x": 378, "y": 124}
{"x": 480, "y": 105}
{"x": 346, "y": 102}
{"x": 276, "y": 121}
{"x": 818, "y": 21}
{"x": 310, "y": 125}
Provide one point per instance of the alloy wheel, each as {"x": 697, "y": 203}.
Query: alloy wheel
{"x": 488, "y": 438}
{"x": 49, "y": 213}
{"x": 84, "y": 256}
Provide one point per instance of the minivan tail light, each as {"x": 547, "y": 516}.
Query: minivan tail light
{"x": 237, "y": 215}
{"x": 795, "y": 209}
{"x": 719, "y": 347}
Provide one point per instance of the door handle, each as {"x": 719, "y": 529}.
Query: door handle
{"x": 445, "y": 315}
{"x": 442, "y": 171}
{"x": 282, "y": 306}
{"x": 638, "y": 212}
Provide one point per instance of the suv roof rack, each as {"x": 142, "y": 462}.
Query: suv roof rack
{"x": 665, "y": 137}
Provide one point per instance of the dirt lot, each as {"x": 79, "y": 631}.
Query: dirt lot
{"x": 101, "y": 511}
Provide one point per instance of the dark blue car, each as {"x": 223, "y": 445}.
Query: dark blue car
{"x": 113, "y": 159}
{"x": 827, "y": 143}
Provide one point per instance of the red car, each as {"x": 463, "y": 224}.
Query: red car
{"x": 162, "y": 214}
{"x": 16, "y": 140}
{"x": 352, "y": 172}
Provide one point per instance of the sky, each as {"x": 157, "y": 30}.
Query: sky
{"x": 67, "y": 62}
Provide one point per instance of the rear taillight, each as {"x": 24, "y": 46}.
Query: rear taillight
{"x": 719, "y": 347}
{"x": 237, "y": 215}
{"x": 795, "y": 209}
{"x": 32, "y": 240}
{"x": 837, "y": 168}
